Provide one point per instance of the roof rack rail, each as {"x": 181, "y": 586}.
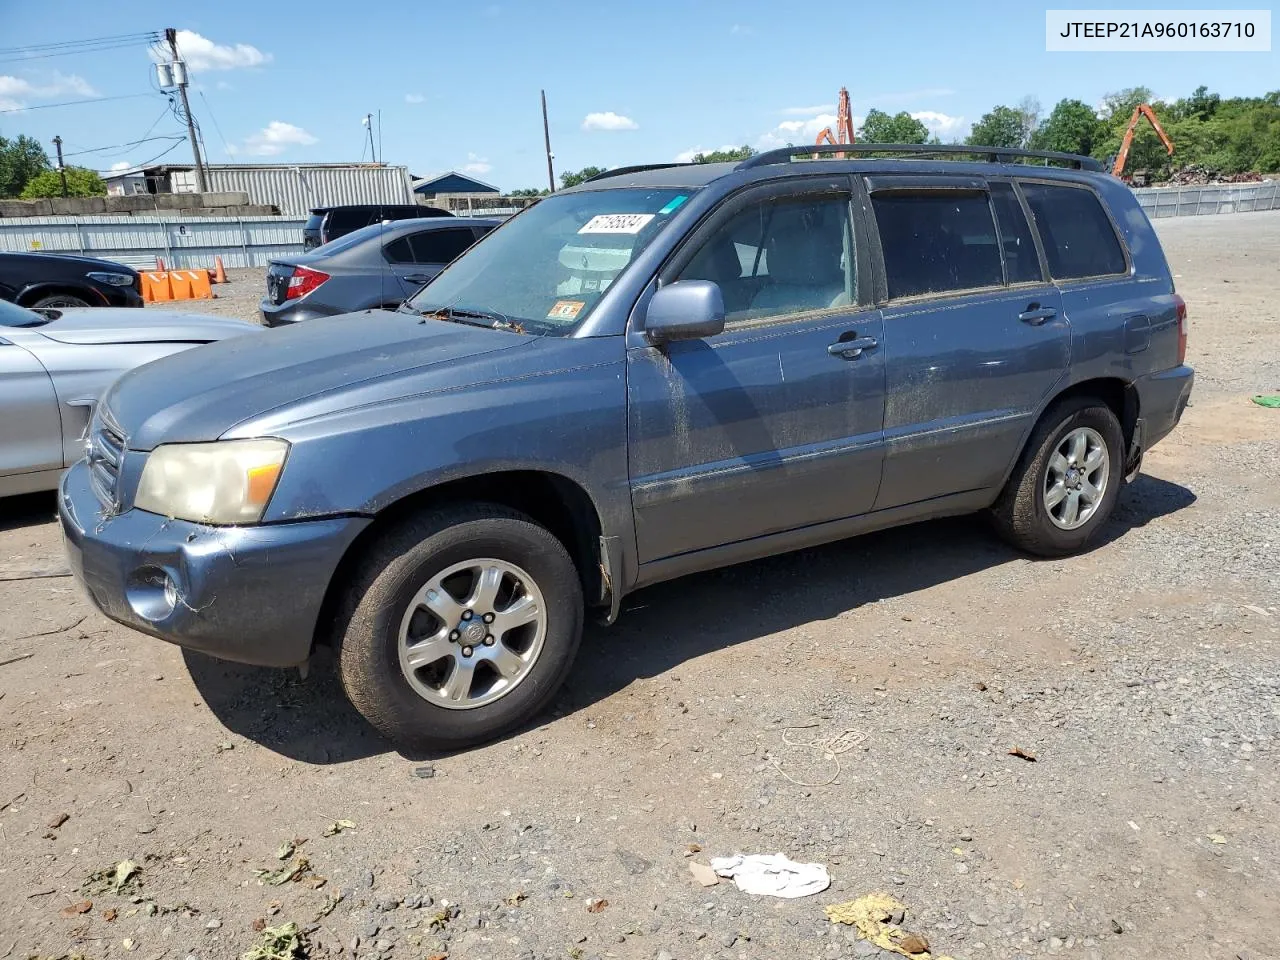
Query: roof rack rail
{"x": 637, "y": 168}
{"x": 925, "y": 150}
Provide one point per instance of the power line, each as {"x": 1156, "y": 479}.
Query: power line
{"x": 72, "y": 103}
{"x": 132, "y": 143}
{"x": 71, "y": 43}
{"x": 67, "y": 48}
{"x": 225, "y": 146}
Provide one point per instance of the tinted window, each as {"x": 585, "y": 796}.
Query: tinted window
{"x": 344, "y": 221}
{"x": 780, "y": 257}
{"x": 1021, "y": 263}
{"x": 399, "y": 251}
{"x": 936, "y": 242}
{"x": 440, "y": 246}
{"x": 1078, "y": 238}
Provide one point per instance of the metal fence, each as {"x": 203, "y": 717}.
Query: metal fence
{"x": 183, "y": 242}
{"x": 1213, "y": 198}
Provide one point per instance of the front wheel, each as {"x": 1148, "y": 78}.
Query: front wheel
{"x": 460, "y": 625}
{"x": 59, "y": 301}
{"x": 1066, "y": 482}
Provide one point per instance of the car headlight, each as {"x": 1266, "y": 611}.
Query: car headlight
{"x": 112, "y": 279}
{"x": 225, "y": 482}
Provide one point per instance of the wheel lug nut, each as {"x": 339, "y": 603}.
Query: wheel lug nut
{"x": 466, "y": 651}
{"x": 467, "y": 614}
{"x": 488, "y": 641}
{"x": 453, "y": 634}
{"x": 488, "y": 618}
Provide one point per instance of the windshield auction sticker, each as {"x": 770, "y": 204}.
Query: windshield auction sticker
{"x": 1138, "y": 31}
{"x": 565, "y": 309}
{"x": 617, "y": 223}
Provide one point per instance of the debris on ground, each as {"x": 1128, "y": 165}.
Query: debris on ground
{"x": 1023, "y": 754}
{"x": 284, "y": 942}
{"x": 1272, "y": 401}
{"x": 595, "y": 906}
{"x": 125, "y": 876}
{"x": 290, "y": 871}
{"x": 829, "y": 747}
{"x": 285, "y": 850}
{"x": 75, "y": 909}
{"x": 703, "y": 874}
{"x": 425, "y": 772}
{"x": 59, "y": 820}
{"x": 335, "y": 828}
{"x": 773, "y": 875}
{"x": 874, "y": 916}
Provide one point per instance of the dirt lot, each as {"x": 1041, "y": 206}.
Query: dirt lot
{"x": 1142, "y": 676}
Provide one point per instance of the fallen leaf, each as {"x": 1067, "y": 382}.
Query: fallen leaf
{"x": 293, "y": 871}
{"x": 109, "y": 914}
{"x": 338, "y": 826}
{"x": 913, "y": 943}
{"x": 258, "y": 925}
{"x": 59, "y": 820}
{"x": 75, "y": 909}
{"x": 517, "y": 898}
{"x": 694, "y": 848}
{"x": 1217, "y": 838}
{"x": 703, "y": 874}
{"x": 285, "y": 850}
{"x": 314, "y": 881}
{"x": 595, "y": 906}
{"x": 1024, "y": 754}
{"x": 438, "y": 956}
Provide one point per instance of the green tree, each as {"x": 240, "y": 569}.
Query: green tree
{"x": 20, "y": 160}
{"x": 80, "y": 183}
{"x": 1071, "y": 127}
{"x": 722, "y": 156}
{"x": 901, "y": 127}
{"x": 1118, "y": 107}
{"x": 530, "y": 192}
{"x": 571, "y": 179}
{"x": 1002, "y": 127}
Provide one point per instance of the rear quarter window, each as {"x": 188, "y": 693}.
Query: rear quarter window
{"x": 1078, "y": 237}
{"x": 937, "y": 241}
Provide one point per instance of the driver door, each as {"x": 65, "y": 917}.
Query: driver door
{"x": 771, "y": 425}
{"x": 30, "y": 425}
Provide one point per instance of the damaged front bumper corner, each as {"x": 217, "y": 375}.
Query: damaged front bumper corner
{"x": 251, "y": 594}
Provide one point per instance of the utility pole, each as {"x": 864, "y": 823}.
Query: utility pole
{"x": 171, "y": 35}
{"x": 368, "y": 125}
{"x": 62, "y": 171}
{"x": 546, "y": 139}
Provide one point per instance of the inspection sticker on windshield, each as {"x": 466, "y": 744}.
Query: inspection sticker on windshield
{"x": 565, "y": 309}
{"x": 617, "y": 223}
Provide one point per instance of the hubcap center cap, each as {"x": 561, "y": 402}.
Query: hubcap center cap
{"x": 472, "y": 632}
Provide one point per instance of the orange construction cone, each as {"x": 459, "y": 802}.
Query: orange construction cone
{"x": 219, "y": 274}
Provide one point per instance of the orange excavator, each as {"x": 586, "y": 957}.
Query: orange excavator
{"x": 1140, "y": 111}
{"x": 844, "y": 125}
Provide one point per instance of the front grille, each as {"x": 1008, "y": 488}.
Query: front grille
{"x": 106, "y": 449}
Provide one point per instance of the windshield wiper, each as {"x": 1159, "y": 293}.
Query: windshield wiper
{"x": 475, "y": 318}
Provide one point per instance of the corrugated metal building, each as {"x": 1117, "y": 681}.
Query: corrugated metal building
{"x": 294, "y": 188}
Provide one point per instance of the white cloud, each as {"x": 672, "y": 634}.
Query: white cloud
{"x": 943, "y": 126}
{"x": 476, "y": 165}
{"x": 122, "y": 165}
{"x": 807, "y": 111}
{"x": 740, "y": 29}
{"x": 201, "y": 53}
{"x": 799, "y": 131}
{"x": 686, "y": 156}
{"x": 414, "y": 98}
{"x": 275, "y": 138}
{"x": 608, "y": 121}
{"x": 17, "y": 92}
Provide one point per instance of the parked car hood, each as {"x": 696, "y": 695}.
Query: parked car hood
{"x": 198, "y": 395}
{"x": 130, "y": 325}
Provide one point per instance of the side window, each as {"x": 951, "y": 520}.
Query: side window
{"x": 1021, "y": 262}
{"x": 345, "y": 221}
{"x": 937, "y": 241}
{"x": 440, "y": 246}
{"x": 398, "y": 251}
{"x": 780, "y": 257}
{"x": 1078, "y": 238}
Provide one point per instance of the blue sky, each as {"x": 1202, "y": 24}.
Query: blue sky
{"x": 626, "y": 82}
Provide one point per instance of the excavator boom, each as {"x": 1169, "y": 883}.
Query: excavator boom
{"x": 1140, "y": 111}
{"x": 844, "y": 125}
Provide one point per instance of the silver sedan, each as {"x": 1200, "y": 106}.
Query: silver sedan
{"x": 55, "y": 364}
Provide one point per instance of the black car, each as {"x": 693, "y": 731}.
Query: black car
{"x": 57, "y": 280}
{"x": 376, "y": 266}
{"x": 329, "y": 223}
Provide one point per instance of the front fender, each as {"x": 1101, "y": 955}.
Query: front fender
{"x": 33, "y": 292}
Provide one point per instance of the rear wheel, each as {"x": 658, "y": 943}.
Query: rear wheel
{"x": 59, "y": 301}
{"x": 1066, "y": 483}
{"x": 459, "y": 626}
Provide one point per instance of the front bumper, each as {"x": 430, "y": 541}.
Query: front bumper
{"x": 1162, "y": 397}
{"x": 251, "y": 594}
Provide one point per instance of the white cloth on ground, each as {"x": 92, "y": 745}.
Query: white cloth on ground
{"x": 772, "y": 875}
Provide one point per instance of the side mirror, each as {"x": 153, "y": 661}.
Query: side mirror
{"x": 685, "y": 310}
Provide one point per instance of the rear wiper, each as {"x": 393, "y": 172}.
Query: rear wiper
{"x": 474, "y": 318}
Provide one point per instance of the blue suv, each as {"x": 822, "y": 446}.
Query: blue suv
{"x": 666, "y": 369}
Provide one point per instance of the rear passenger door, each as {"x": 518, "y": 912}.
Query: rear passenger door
{"x": 975, "y": 335}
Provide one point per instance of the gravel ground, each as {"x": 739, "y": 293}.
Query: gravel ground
{"x": 1142, "y": 676}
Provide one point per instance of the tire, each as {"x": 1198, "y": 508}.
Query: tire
{"x": 1024, "y": 514}
{"x": 415, "y": 707}
{"x": 59, "y": 301}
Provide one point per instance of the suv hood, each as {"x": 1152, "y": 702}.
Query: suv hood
{"x": 130, "y": 325}
{"x": 198, "y": 395}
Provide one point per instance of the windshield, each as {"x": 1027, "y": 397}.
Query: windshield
{"x": 547, "y": 268}
{"x": 11, "y": 315}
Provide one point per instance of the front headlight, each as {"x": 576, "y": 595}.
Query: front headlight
{"x": 112, "y": 279}
{"x": 225, "y": 482}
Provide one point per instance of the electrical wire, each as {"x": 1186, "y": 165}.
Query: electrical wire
{"x": 126, "y": 146}
{"x": 225, "y": 146}
{"x": 168, "y": 150}
{"x": 72, "y": 103}
{"x": 18, "y": 57}
{"x": 72, "y": 43}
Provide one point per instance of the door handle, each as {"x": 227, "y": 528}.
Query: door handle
{"x": 1036, "y": 314}
{"x": 852, "y": 349}
{"x": 417, "y": 278}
